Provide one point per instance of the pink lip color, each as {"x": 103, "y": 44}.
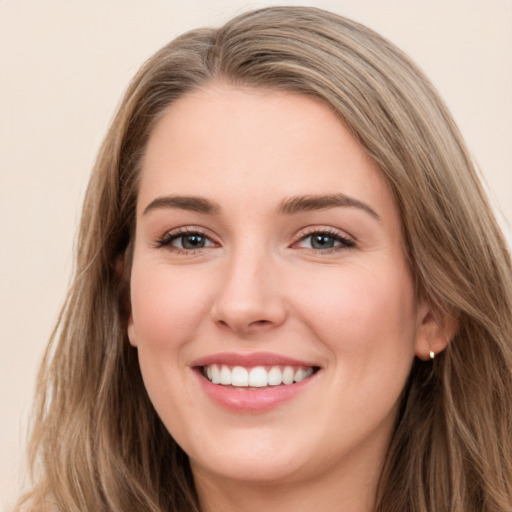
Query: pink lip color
{"x": 251, "y": 399}
{"x": 249, "y": 360}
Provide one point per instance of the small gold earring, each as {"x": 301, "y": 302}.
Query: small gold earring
{"x": 432, "y": 354}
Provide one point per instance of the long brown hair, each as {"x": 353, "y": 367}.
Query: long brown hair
{"x": 97, "y": 443}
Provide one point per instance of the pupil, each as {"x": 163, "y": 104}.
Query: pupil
{"x": 193, "y": 242}
{"x": 322, "y": 242}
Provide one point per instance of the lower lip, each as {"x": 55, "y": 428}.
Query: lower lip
{"x": 253, "y": 399}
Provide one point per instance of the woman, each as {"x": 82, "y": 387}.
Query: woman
{"x": 290, "y": 290}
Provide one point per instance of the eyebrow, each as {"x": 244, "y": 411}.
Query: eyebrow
{"x": 307, "y": 203}
{"x": 189, "y": 203}
{"x": 296, "y": 204}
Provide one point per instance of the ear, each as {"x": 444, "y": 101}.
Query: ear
{"x": 120, "y": 270}
{"x": 131, "y": 331}
{"x": 119, "y": 267}
{"x": 435, "y": 330}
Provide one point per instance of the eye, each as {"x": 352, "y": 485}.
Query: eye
{"x": 324, "y": 241}
{"x": 191, "y": 241}
{"x": 186, "y": 240}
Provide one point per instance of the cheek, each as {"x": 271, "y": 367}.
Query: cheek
{"x": 367, "y": 322}
{"x": 167, "y": 310}
{"x": 166, "y": 305}
{"x": 364, "y": 316}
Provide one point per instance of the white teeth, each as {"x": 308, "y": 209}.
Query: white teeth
{"x": 239, "y": 377}
{"x": 215, "y": 374}
{"x": 258, "y": 377}
{"x": 275, "y": 376}
{"x": 225, "y": 375}
{"x": 255, "y": 377}
{"x": 302, "y": 373}
{"x": 288, "y": 375}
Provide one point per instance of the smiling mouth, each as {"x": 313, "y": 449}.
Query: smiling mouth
{"x": 257, "y": 376}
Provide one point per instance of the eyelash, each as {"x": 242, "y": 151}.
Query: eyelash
{"x": 167, "y": 239}
{"x": 345, "y": 242}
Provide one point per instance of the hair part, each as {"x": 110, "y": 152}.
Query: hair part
{"x": 97, "y": 440}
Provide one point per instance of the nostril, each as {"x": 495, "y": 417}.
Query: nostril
{"x": 259, "y": 325}
{"x": 260, "y": 322}
{"x": 247, "y": 328}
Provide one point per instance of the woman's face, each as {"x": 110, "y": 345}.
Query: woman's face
{"x": 268, "y": 249}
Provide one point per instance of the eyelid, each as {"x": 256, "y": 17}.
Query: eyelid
{"x": 341, "y": 236}
{"x": 347, "y": 241}
{"x": 165, "y": 240}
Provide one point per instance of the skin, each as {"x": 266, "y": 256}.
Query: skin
{"x": 258, "y": 284}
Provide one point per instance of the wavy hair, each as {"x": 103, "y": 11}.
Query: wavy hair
{"x": 97, "y": 443}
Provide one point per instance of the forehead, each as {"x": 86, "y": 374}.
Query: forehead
{"x": 256, "y": 145}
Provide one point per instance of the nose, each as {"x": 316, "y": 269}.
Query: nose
{"x": 250, "y": 299}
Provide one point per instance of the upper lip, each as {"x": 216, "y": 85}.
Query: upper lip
{"x": 250, "y": 360}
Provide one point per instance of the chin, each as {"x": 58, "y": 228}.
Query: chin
{"x": 254, "y": 470}
{"x": 253, "y": 459}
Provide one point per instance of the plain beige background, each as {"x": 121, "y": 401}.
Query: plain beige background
{"x": 63, "y": 68}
